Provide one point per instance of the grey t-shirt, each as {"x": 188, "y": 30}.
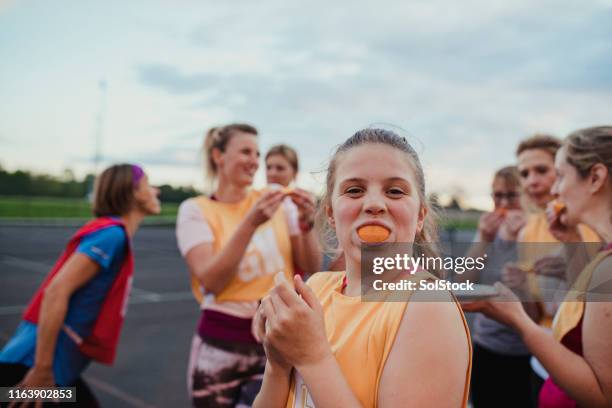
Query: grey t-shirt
{"x": 487, "y": 332}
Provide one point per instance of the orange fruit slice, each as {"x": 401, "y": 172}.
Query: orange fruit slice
{"x": 502, "y": 211}
{"x": 558, "y": 207}
{"x": 373, "y": 233}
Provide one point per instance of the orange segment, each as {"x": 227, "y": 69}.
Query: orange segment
{"x": 558, "y": 207}
{"x": 502, "y": 211}
{"x": 373, "y": 233}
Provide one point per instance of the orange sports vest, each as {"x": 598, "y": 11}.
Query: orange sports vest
{"x": 268, "y": 253}
{"x": 361, "y": 335}
{"x": 571, "y": 310}
{"x": 536, "y": 231}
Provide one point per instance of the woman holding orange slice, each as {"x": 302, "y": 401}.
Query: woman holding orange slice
{"x": 326, "y": 347}
{"x": 234, "y": 242}
{"x": 577, "y": 355}
{"x": 501, "y": 359}
{"x": 282, "y": 167}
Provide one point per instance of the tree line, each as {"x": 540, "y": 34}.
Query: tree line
{"x": 26, "y": 183}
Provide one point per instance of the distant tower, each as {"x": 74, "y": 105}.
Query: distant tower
{"x": 98, "y": 133}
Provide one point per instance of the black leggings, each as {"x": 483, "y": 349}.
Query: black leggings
{"x": 12, "y": 374}
{"x": 500, "y": 380}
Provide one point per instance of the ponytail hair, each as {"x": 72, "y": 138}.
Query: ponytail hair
{"x": 426, "y": 239}
{"x": 218, "y": 138}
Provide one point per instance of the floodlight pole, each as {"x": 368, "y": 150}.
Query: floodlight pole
{"x": 98, "y": 134}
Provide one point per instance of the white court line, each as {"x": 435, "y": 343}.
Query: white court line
{"x": 139, "y": 297}
{"x": 33, "y": 266}
{"x": 116, "y": 392}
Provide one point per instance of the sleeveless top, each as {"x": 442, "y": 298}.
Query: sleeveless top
{"x": 567, "y": 329}
{"x": 268, "y": 252}
{"x": 536, "y": 231}
{"x": 361, "y": 335}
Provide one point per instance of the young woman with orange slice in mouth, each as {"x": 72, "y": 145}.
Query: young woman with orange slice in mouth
{"x": 327, "y": 348}
{"x": 234, "y": 242}
{"x": 578, "y": 354}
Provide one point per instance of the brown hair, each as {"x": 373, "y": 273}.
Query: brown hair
{"x": 587, "y": 147}
{"x": 114, "y": 191}
{"x": 509, "y": 175}
{"x": 427, "y": 237}
{"x": 218, "y": 138}
{"x": 287, "y": 152}
{"x": 540, "y": 141}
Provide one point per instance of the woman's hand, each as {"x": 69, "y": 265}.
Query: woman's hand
{"x": 557, "y": 224}
{"x": 306, "y": 205}
{"x": 553, "y": 266}
{"x": 265, "y": 207}
{"x": 513, "y": 276}
{"x": 506, "y": 308}
{"x": 260, "y": 324}
{"x": 295, "y": 327}
{"x": 515, "y": 220}
{"x": 34, "y": 378}
{"x": 488, "y": 224}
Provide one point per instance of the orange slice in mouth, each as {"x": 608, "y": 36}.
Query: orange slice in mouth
{"x": 558, "y": 207}
{"x": 373, "y": 233}
{"x": 502, "y": 211}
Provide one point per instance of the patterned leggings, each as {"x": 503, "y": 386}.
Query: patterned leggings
{"x": 224, "y": 374}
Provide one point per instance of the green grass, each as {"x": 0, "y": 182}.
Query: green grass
{"x": 51, "y": 207}
{"x": 458, "y": 224}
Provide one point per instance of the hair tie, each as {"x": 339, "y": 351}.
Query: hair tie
{"x": 137, "y": 174}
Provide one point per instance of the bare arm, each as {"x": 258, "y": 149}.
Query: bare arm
{"x": 307, "y": 252}
{"x": 477, "y": 250}
{"x": 441, "y": 350}
{"x": 274, "y": 390}
{"x": 586, "y": 379}
{"x": 306, "y": 249}
{"x": 215, "y": 271}
{"x": 76, "y": 272}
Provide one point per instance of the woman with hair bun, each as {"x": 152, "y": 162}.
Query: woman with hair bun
{"x": 234, "y": 242}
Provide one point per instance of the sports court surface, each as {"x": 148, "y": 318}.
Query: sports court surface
{"x": 150, "y": 370}
{"x": 151, "y": 363}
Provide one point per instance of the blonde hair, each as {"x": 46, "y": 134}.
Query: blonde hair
{"x": 587, "y": 147}
{"x": 218, "y": 138}
{"x": 426, "y": 239}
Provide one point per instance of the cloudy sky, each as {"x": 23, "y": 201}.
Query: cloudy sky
{"x": 464, "y": 81}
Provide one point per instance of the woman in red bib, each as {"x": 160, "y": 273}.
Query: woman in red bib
{"x": 77, "y": 313}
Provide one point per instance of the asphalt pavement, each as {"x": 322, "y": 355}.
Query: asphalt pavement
{"x": 150, "y": 369}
